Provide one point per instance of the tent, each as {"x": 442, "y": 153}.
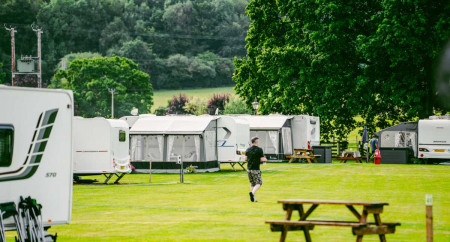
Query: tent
{"x": 399, "y": 136}
{"x": 161, "y": 139}
{"x": 274, "y": 133}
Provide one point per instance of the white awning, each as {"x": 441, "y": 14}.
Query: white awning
{"x": 172, "y": 124}
{"x": 266, "y": 122}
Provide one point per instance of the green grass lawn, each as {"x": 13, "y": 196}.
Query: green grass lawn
{"x": 160, "y": 97}
{"x": 216, "y": 206}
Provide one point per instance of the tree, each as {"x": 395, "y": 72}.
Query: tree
{"x": 177, "y": 104}
{"x": 142, "y": 54}
{"x": 2, "y": 74}
{"x": 217, "y": 101}
{"x": 153, "y": 33}
{"x": 196, "y": 106}
{"x": 64, "y": 65}
{"x": 90, "y": 79}
{"x": 236, "y": 105}
{"x": 335, "y": 59}
{"x": 401, "y": 57}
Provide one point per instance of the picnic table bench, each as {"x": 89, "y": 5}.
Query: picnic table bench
{"x": 360, "y": 227}
{"x": 233, "y": 163}
{"x": 350, "y": 155}
{"x": 307, "y": 154}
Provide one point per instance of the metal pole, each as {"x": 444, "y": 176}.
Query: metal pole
{"x": 13, "y": 53}
{"x": 13, "y": 56}
{"x": 39, "y": 32}
{"x": 112, "y": 91}
{"x": 429, "y": 216}
{"x": 150, "y": 178}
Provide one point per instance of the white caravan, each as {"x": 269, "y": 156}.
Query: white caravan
{"x": 434, "y": 138}
{"x": 130, "y": 120}
{"x": 306, "y": 131}
{"x": 274, "y": 133}
{"x": 233, "y": 135}
{"x": 101, "y": 146}
{"x": 36, "y": 155}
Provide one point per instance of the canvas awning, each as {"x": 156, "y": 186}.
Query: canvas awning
{"x": 172, "y": 125}
{"x": 407, "y": 126}
{"x": 266, "y": 122}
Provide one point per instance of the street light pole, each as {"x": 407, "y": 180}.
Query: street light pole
{"x": 112, "y": 91}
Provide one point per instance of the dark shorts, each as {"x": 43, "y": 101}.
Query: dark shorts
{"x": 254, "y": 176}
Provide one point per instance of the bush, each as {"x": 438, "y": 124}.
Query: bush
{"x": 196, "y": 106}
{"x": 236, "y": 105}
{"x": 217, "y": 102}
{"x": 161, "y": 111}
{"x": 176, "y": 105}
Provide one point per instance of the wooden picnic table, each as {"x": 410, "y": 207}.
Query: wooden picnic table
{"x": 360, "y": 227}
{"x": 233, "y": 163}
{"x": 350, "y": 155}
{"x": 307, "y": 154}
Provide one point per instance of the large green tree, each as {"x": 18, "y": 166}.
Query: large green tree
{"x": 90, "y": 79}
{"x": 335, "y": 59}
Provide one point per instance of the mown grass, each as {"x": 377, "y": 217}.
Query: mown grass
{"x": 216, "y": 207}
{"x": 160, "y": 98}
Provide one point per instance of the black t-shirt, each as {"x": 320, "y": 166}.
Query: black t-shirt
{"x": 254, "y": 154}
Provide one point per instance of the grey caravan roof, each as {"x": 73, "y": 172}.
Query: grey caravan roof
{"x": 267, "y": 122}
{"x": 172, "y": 124}
{"x": 408, "y": 126}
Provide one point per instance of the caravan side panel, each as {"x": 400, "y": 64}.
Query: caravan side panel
{"x": 305, "y": 128}
{"x": 41, "y": 165}
{"x": 92, "y": 146}
{"x": 434, "y": 136}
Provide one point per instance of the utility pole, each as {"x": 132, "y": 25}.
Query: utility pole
{"x": 39, "y": 32}
{"x": 13, "y": 53}
{"x": 112, "y": 91}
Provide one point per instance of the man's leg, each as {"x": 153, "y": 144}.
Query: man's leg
{"x": 256, "y": 188}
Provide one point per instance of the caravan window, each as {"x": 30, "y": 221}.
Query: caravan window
{"x": 122, "y": 136}
{"x": 6, "y": 145}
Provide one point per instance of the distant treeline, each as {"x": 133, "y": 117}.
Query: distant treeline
{"x": 178, "y": 43}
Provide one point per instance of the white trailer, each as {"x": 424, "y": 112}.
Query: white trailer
{"x": 35, "y": 156}
{"x": 101, "y": 146}
{"x": 306, "y": 131}
{"x": 233, "y": 135}
{"x": 434, "y": 138}
{"x": 130, "y": 120}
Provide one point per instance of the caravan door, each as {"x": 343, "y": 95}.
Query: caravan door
{"x": 120, "y": 145}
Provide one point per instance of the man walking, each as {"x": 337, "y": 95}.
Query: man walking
{"x": 254, "y": 156}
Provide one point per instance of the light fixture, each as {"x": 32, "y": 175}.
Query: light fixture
{"x": 255, "y": 105}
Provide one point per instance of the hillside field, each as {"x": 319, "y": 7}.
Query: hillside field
{"x": 160, "y": 97}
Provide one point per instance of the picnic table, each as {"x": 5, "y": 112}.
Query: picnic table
{"x": 307, "y": 154}
{"x": 233, "y": 163}
{"x": 360, "y": 227}
{"x": 350, "y": 155}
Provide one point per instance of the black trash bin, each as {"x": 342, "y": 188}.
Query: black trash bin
{"x": 324, "y": 152}
{"x": 394, "y": 155}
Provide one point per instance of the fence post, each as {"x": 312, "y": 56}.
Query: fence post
{"x": 429, "y": 216}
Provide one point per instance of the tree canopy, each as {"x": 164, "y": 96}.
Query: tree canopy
{"x": 92, "y": 78}
{"x": 152, "y": 33}
{"x": 339, "y": 59}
